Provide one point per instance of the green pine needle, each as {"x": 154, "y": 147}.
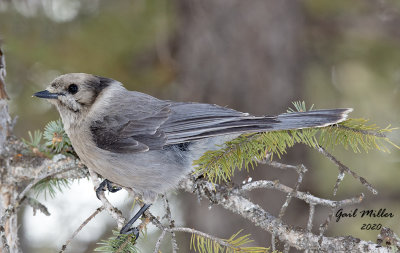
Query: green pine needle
{"x": 232, "y": 245}
{"x": 357, "y": 135}
{"x": 118, "y": 242}
{"x": 56, "y": 142}
{"x": 56, "y": 138}
{"x": 247, "y": 149}
{"x": 51, "y": 187}
{"x": 299, "y": 106}
{"x": 34, "y": 142}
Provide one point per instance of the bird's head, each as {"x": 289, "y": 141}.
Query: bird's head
{"x": 74, "y": 94}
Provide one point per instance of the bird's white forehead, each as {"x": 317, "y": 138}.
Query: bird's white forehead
{"x": 73, "y": 77}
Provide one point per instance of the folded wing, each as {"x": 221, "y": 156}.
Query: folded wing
{"x": 140, "y": 123}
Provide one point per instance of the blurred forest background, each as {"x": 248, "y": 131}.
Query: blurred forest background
{"x": 255, "y": 56}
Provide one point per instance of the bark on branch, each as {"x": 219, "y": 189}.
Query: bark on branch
{"x": 301, "y": 239}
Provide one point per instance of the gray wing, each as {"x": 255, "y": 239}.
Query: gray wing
{"x": 139, "y": 122}
{"x": 132, "y": 124}
{"x": 193, "y": 121}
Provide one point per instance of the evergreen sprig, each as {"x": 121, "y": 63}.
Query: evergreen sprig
{"x": 35, "y": 143}
{"x": 56, "y": 141}
{"x": 234, "y": 244}
{"x": 50, "y": 187}
{"x": 358, "y": 135}
{"x": 118, "y": 243}
{"x": 247, "y": 149}
{"x": 56, "y": 137}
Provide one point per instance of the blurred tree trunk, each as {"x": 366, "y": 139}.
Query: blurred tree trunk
{"x": 245, "y": 55}
{"x": 8, "y": 192}
{"x": 240, "y": 53}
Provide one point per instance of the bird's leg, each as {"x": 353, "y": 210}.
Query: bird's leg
{"x": 106, "y": 184}
{"x": 135, "y": 231}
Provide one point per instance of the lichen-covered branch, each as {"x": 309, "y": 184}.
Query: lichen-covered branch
{"x": 301, "y": 239}
{"x": 19, "y": 172}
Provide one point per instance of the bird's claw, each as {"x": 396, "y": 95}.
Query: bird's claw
{"x": 106, "y": 184}
{"x": 134, "y": 231}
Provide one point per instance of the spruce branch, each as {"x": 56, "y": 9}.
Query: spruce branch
{"x": 248, "y": 149}
{"x": 118, "y": 243}
{"x": 204, "y": 243}
{"x": 56, "y": 141}
{"x": 358, "y": 135}
{"x": 56, "y": 137}
{"x": 50, "y": 186}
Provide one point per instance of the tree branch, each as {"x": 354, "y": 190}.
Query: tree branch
{"x": 306, "y": 197}
{"x": 94, "y": 214}
{"x": 300, "y": 239}
{"x": 343, "y": 168}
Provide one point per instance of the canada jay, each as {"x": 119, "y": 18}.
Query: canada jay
{"x": 135, "y": 140}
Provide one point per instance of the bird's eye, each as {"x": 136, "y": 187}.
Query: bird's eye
{"x": 73, "y": 88}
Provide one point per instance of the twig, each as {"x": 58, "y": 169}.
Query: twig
{"x": 273, "y": 242}
{"x": 343, "y": 168}
{"x": 310, "y": 221}
{"x": 324, "y": 226}
{"x": 154, "y": 220}
{"x": 36, "y": 205}
{"x": 363, "y": 132}
{"x": 301, "y": 170}
{"x": 338, "y": 181}
{"x": 306, "y": 197}
{"x": 98, "y": 210}
{"x": 310, "y": 217}
{"x": 37, "y": 180}
{"x": 279, "y": 165}
{"x": 123, "y": 245}
{"x": 171, "y": 225}
{"x": 158, "y": 243}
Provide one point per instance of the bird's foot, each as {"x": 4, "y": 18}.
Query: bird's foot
{"x": 106, "y": 184}
{"x": 135, "y": 230}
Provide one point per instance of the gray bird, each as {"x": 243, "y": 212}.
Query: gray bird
{"x": 137, "y": 141}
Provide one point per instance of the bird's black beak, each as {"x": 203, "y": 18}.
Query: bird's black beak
{"x": 46, "y": 94}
